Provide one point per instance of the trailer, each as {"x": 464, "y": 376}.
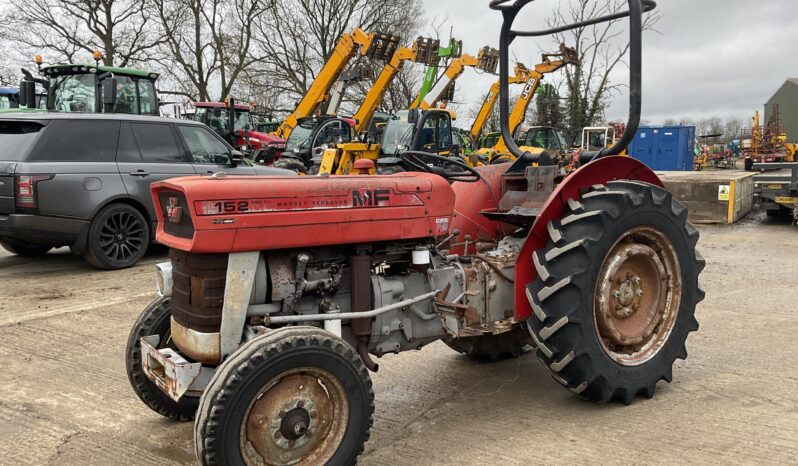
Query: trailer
{"x": 777, "y": 193}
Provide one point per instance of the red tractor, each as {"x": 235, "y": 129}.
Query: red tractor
{"x": 280, "y": 290}
{"x": 233, "y": 122}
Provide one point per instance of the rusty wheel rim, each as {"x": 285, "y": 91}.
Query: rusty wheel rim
{"x": 298, "y": 418}
{"x": 638, "y": 293}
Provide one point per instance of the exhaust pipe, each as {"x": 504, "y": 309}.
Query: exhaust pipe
{"x": 360, "y": 284}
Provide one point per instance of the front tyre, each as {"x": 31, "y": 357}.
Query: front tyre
{"x": 155, "y": 320}
{"x": 118, "y": 238}
{"x": 616, "y": 291}
{"x": 297, "y": 395}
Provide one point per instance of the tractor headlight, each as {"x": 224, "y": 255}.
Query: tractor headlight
{"x": 163, "y": 279}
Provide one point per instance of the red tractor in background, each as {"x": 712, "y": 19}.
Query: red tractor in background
{"x": 234, "y": 123}
{"x": 280, "y": 290}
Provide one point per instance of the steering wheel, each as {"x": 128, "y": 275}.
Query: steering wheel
{"x": 415, "y": 159}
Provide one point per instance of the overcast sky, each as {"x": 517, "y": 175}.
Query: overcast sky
{"x": 710, "y": 57}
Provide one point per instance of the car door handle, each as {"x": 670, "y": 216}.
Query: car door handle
{"x": 140, "y": 173}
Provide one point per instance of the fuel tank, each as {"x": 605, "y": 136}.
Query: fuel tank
{"x": 234, "y": 214}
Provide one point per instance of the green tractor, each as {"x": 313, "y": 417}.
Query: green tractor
{"x": 90, "y": 89}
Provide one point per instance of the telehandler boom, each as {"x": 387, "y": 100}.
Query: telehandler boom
{"x": 376, "y": 46}
{"x": 424, "y": 50}
{"x": 521, "y": 73}
{"x": 485, "y": 61}
{"x": 454, "y": 50}
{"x": 306, "y": 146}
{"x": 567, "y": 56}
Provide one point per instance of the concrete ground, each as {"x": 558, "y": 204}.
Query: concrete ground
{"x": 65, "y": 398}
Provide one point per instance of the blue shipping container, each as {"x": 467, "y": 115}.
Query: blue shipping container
{"x": 667, "y": 148}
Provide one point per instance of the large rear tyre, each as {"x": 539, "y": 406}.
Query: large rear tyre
{"x": 492, "y": 347}
{"x": 291, "y": 163}
{"x": 25, "y": 250}
{"x": 616, "y": 291}
{"x": 118, "y": 238}
{"x": 298, "y": 395}
{"x": 155, "y": 320}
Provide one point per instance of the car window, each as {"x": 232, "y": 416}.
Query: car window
{"x": 203, "y": 146}
{"x": 128, "y": 148}
{"x": 156, "y": 142}
{"x": 16, "y": 139}
{"x": 79, "y": 141}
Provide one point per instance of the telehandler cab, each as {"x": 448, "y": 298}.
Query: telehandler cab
{"x": 280, "y": 290}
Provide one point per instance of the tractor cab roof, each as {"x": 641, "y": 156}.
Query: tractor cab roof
{"x": 65, "y": 68}
{"x": 452, "y": 114}
{"x": 221, "y": 105}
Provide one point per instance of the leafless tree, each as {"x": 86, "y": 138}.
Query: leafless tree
{"x": 296, "y": 37}
{"x": 207, "y": 41}
{"x": 493, "y": 122}
{"x": 670, "y": 122}
{"x": 732, "y": 128}
{"x": 601, "y": 48}
{"x": 72, "y": 29}
{"x": 9, "y": 70}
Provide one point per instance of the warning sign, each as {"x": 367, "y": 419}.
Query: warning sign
{"x": 723, "y": 192}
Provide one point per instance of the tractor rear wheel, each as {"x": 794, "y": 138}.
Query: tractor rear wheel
{"x": 291, "y": 163}
{"x": 155, "y": 320}
{"x": 616, "y": 291}
{"x": 492, "y": 347}
{"x": 297, "y": 395}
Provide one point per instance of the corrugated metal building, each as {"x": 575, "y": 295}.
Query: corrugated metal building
{"x": 787, "y": 99}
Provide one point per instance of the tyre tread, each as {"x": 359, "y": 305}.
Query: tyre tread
{"x": 207, "y": 426}
{"x": 584, "y": 222}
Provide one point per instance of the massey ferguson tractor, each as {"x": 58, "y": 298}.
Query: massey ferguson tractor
{"x": 281, "y": 291}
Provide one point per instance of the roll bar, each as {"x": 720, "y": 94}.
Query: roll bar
{"x": 511, "y": 8}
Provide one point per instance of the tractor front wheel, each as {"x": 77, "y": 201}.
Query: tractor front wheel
{"x": 298, "y": 395}
{"x": 616, "y": 291}
{"x": 155, "y": 320}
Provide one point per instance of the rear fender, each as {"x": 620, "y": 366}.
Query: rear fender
{"x": 597, "y": 172}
